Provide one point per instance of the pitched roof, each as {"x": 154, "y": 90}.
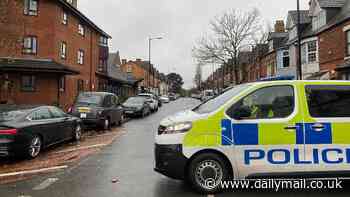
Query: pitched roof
{"x": 82, "y": 17}
{"x": 37, "y": 65}
{"x": 114, "y": 71}
{"x": 304, "y": 16}
{"x": 341, "y": 17}
{"x": 114, "y": 59}
{"x": 331, "y": 3}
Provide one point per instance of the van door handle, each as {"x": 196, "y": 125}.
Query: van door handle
{"x": 318, "y": 127}
{"x": 291, "y": 128}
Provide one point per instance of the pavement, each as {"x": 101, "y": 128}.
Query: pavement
{"x": 125, "y": 169}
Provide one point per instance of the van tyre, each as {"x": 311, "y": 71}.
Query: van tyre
{"x": 206, "y": 171}
{"x": 34, "y": 147}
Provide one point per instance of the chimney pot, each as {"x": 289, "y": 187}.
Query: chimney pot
{"x": 279, "y": 26}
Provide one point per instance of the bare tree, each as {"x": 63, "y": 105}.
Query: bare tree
{"x": 231, "y": 32}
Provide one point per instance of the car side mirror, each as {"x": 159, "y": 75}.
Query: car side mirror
{"x": 242, "y": 113}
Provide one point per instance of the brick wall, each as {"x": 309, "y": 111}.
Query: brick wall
{"x": 50, "y": 32}
{"x": 332, "y": 47}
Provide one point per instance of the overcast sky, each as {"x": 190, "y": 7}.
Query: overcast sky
{"x": 180, "y": 22}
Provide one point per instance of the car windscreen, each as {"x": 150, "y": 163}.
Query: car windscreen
{"x": 89, "y": 99}
{"x": 6, "y": 115}
{"x": 135, "y": 100}
{"x": 216, "y": 102}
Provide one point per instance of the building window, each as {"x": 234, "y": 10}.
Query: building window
{"x": 80, "y": 57}
{"x": 285, "y": 59}
{"x": 129, "y": 69}
{"x": 102, "y": 67}
{"x": 348, "y": 43}
{"x": 319, "y": 21}
{"x": 103, "y": 41}
{"x": 271, "y": 45}
{"x": 309, "y": 52}
{"x": 64, "y": 18}
{"x": 80, "y": 85}
{"x": 62, "y": 84}
{"x": 30, "y": 45}
{"x": 81, "y": 29}
{"x": 31, "y": 7}
{"x": 28, "y": 83}
{"x": 63, "y": 51}
{"x": 312, "y": 51}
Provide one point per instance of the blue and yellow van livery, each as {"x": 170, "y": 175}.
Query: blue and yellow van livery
{"x": 276, "y": 128}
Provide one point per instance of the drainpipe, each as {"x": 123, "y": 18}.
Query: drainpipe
{"x": 91, "y": 70}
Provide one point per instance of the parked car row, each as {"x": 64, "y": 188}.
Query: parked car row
{"x": 26, "y": 130}
{"x": 143, "y": 105}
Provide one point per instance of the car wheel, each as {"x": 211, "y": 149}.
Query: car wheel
{"x": 77, "y": 133}
{"x": 106, "y": 124}
{"x": 206, "y": 172}
{"x": 34, "y": 147}
{"x": 121, "y": 121}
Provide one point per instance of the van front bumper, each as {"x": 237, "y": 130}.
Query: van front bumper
{"x": 170, "y": 161}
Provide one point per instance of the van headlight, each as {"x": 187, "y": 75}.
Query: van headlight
{"x": 178, "y": 128}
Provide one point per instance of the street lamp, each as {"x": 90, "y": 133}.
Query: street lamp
{"x": 299, "y": 67}
{"x": 149, "y": 59}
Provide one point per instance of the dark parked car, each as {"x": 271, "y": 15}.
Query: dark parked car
{"x": 137, "y": 106}
{"x": 26, "y": 130}
{"x": 99, "y": 109}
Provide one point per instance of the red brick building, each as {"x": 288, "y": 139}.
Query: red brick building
{"x": 49, "y": 52}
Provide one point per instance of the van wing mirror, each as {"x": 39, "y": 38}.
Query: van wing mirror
{"x": 242, "y": 113}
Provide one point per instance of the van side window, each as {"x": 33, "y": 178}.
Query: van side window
{"x": 328, "y": 101}
{"x": 267, "y": 103}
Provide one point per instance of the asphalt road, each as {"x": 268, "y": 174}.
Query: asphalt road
{"x": 129, "y": 163}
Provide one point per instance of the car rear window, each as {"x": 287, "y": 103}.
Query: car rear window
{"x": 89, "y": 99}
{"x": 11, "y": 115}
{"x": 328, "y": 101}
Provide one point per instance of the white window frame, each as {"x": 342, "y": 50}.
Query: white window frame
{"x": 81, "y": 55}
{"x": 30, "y": 45}
{"x": 63, "y": 50}
{"x": 285, "y": 56}
{"x": 306, "y": 51}
{"x": 64, "y": 18}
{"x": 319, "y": 20}
{"x": 81, "y": 29}
{"x": 31, "y": 7}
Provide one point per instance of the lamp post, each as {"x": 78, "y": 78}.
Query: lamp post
{"x": 299, "y": 67}
{"x": 149, "y": 59}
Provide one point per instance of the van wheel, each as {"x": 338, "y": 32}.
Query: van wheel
{"x": 206, "y": 172}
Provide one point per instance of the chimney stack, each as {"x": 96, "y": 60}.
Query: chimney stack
{"x": 75, "y": 3}
{"x": 279, "y": 26}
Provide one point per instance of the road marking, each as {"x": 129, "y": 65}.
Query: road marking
{"x": 211, "y": 195}
{"x": 33, "y": 171}
{"x": 45, "y": 184}
{"x": 81, "y": 148}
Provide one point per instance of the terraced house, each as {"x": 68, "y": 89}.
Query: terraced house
{"x": 49, "y": 52}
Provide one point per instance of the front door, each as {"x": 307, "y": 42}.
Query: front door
{"x": 327, "y": 127}
{"x": 270, "y": 139}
